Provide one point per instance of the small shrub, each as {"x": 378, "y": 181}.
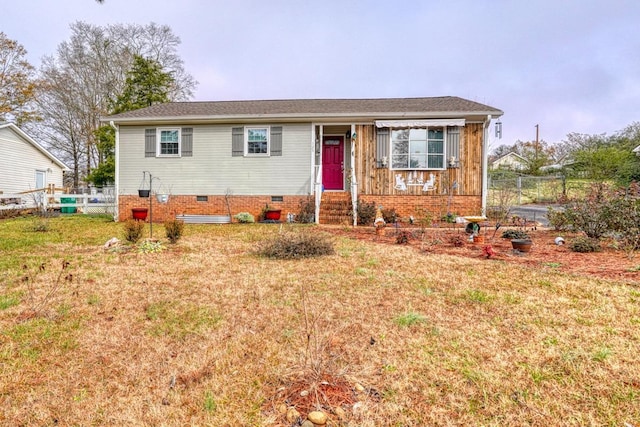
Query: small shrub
{"x": 585, "y": 244}
{"x": 173, "y": 229}
{"x": 291, "y": 245}
{"x": 390, "y": 216}
{"x": 306, "y": 211}
{"x": 40, "y": 225}
{"x": 558, "y": 219}
{"x": 149, "y": 247}
{"x": 403, "y": 237}
{"x": 244, "y": 218}
{"x": 366, "y": 212}
{"x": 515, "y": 234}
{"x": 133, "y": 230}
{"x": 457, "y": 241}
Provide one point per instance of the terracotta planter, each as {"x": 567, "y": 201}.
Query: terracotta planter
{"x": 273, "y": 215}
{"x": 139, "y": 214}
{"x": 478, "y": 238}
{"x": 521, "y": 245}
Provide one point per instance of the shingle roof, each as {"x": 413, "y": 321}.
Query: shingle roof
{"x": 308, "y": 108}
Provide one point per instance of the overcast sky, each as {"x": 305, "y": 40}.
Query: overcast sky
{"x": 567, "y": 65}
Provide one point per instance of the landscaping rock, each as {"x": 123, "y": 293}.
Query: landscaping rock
{"x": 293, "y": 415}
{"x": 317, "y": 417}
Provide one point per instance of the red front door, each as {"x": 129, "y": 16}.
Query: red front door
{"x": 333, "y": 163}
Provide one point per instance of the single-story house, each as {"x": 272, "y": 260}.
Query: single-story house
{"x": 511, "y": 161}
{"x": 410, "y": 154}
{"x": 25, "y": 165}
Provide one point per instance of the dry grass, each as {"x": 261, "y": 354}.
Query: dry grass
{"x": 208, "y": 333}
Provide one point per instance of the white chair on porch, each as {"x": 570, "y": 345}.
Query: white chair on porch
{"x": 400, "y": 184}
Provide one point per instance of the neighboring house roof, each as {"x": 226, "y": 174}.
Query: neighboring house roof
{"x": 510, "y": 159}
{"x": 637, "y": 150}
{"x": 30, "y": 140}
{"x": 305, "y": 109}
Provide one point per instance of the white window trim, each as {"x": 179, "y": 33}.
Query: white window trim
{"x": 246, "y": 141}
{"x": 444, "y": 150}
{"x": 159, "y": 142}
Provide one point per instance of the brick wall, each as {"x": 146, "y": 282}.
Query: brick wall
{"x": 215, "y": 205}
{"x": 439, "y": 206}
{"x": 404, "y": 205}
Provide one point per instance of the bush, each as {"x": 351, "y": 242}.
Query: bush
{"x": 558, "y": 219}
{"x": 173, "y": 229}
{"x": 515, "y": 234}
{"x": 244, "y": 218}
{"x": 457, "y": 240}
{"x": 306, "y": 211}
{"x": 366, "y": 212}
{"x": 290, "y": 245}
{"x": 133, "y": 230}
{"x": 403, "y": 237}
{"x": 584, "y": 245}
{"x": 593, "y": 214}
{"x": 390, "y": 216}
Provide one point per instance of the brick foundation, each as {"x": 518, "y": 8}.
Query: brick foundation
{"x": 404, "y": 205}
{"x": 215, "y": 205}
{"x": 439, "y": 206}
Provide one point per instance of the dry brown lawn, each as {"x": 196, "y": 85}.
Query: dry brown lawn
{"x": 206, "y": 332}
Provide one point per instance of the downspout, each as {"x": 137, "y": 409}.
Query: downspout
{"x": 117, "y": 173}
{"x": 354, "y": 183}
{"x": 485, "y": 164}
{"x": 317, "y": 141}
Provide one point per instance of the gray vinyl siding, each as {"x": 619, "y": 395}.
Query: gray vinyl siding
{"x": 19, "y": 162}
{"x": 213, "y": 169}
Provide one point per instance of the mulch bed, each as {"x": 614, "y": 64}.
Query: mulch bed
{"x": 610, "y": 263}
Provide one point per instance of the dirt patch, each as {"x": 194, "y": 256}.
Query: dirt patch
{"x": 610, "y": 263}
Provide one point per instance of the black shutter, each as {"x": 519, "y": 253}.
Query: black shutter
{"x": 382, "y": 146}
{"x": 276, "y": 141}
{"x": 237, "y": 141}
{"x": 187, "y": 142}
{"x": 149, "y": 142}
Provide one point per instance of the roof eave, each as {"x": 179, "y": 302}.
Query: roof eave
{"x": 302, "y": 117}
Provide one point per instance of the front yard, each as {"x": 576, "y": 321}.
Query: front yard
{"x": 206, "y": 332}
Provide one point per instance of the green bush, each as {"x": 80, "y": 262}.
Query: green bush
{"x": 290, "y": 245}
{"x": 558, "y": 219}
{"x": 515, "y": 234}
{"x": 133, "y": 230}
{"x": 366, "y": 212}
{"x": 244, "y": 218}
{"x": 585, "y": 244}
{"x": 173, "y": 229}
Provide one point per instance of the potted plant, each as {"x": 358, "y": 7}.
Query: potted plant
{"x": 139, "y": 214}
{"x": 522, "y": 245}
{"x": 270, "y": 213}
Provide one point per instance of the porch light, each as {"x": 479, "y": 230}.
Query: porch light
{"x": 499, "y": 129}
{"x": 353, "y": 136}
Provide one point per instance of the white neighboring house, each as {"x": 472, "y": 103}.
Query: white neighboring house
{"x": 25, "y": 165}
{"x": 511, "y": 161}
{"x": 637, "y": 150}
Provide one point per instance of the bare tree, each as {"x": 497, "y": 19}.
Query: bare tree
{"x": 86, "y": 75}
{"x": 17, "y": 82}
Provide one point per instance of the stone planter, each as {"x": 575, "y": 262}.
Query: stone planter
{"x": 522, "y": 245}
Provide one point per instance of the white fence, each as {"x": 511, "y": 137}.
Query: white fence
{"x": 103, "y": 202}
